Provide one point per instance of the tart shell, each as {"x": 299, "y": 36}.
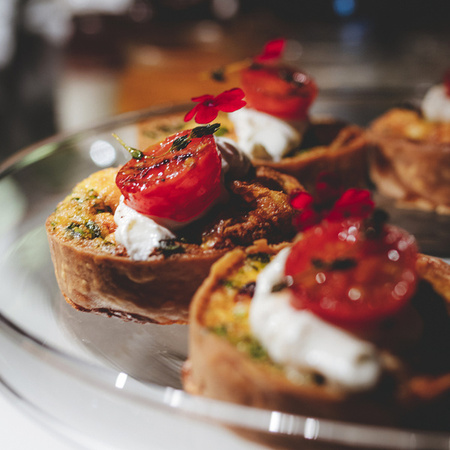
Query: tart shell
{"x": 142, "y": 291}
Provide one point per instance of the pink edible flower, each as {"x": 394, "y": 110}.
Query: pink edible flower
{"x": 331, "y": 203}
{"x": 272, "y": 51}
{"x": 208, "y": 106}
{"x": 353, "y": 203}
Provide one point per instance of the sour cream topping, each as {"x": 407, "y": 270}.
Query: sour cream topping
{"x": 264, "y": 136}
{"x": 303, "y": 343}
{"x": 139, "y": 234}
{"x": 436, "y": 104}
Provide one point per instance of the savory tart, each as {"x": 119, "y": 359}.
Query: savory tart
{"x": 349, "y": 323}
{"x": 275, "y": 128}
{"x": 411, "y": 160}
{"x": 136, "y": 242}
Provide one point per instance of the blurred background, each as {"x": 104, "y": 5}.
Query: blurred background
{"x": 68, "y": 64}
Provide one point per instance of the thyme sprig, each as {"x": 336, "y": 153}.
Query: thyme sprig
{"x": 134, "y": 152}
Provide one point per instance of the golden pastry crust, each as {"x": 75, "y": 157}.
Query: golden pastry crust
{"x": 226, "y": 363}
{"x": 411, "y": 160}
{"x": 142, "y": 291}
{"x": 95, "y": 273}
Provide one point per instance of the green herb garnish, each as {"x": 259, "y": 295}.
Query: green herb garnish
{"x": 250, "y": 345}
{"x": 169, "y": 247}
{"x": 180, "y": 143}
{"x": 198, "y": 132}
{"x": 263, "y": 258}
{"x": 134, "y": 152}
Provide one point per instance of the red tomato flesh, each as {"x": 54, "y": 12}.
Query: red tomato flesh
{"x": 278, "y": 90}
{"x": 349, "y": 279}
{"x": 172, "y": 182}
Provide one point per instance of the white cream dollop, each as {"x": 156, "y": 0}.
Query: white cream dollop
{"x": 264, "y": 136}
{"x": 436, "y": 104}
{"x": 303, "y": 343}
{"x": 139, "y": 234}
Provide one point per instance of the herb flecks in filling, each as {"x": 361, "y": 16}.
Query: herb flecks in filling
{"x": 87, "y": 214}
{"x": 228, "y": 315}
{"x": 87, "y": 230}
{"x": 170, "y": 247}
{"x": 244, "y": 277}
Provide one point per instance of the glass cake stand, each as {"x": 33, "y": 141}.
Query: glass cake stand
{"x": 110, "y": 384}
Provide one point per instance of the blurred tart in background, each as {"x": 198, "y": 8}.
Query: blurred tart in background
{"x": 410, "y": 167}
{"x": 411, "y": 159}
{"x": 275, "y": 128}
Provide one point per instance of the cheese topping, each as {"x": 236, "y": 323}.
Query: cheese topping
{"x": 264, "y": 136}
{"x": 139, "y": 234}
{"x": 303, "y": 343}
{"x": 436, "y": 104}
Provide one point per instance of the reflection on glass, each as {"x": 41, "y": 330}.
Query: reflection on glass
{"x": 102, "y": 153}
{"x": 12, "y": 205}
{"x": 121, "y": 380}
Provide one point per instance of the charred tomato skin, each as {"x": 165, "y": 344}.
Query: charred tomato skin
{"x": 349, "y": 278}
{"x": 176, "y": 179}
{"x": 279, "y": 90}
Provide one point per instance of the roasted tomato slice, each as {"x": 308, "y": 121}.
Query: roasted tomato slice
{"x": 348, "y": 277}
{"x": 176, "y": 179}
{"x": 278, "y": 90}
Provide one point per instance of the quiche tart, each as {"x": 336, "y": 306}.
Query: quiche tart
{"x": 98, "y": 273}
{"x": 393, "y": 370}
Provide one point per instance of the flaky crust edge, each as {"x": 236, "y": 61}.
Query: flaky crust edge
{"x": 156, "y": 290}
